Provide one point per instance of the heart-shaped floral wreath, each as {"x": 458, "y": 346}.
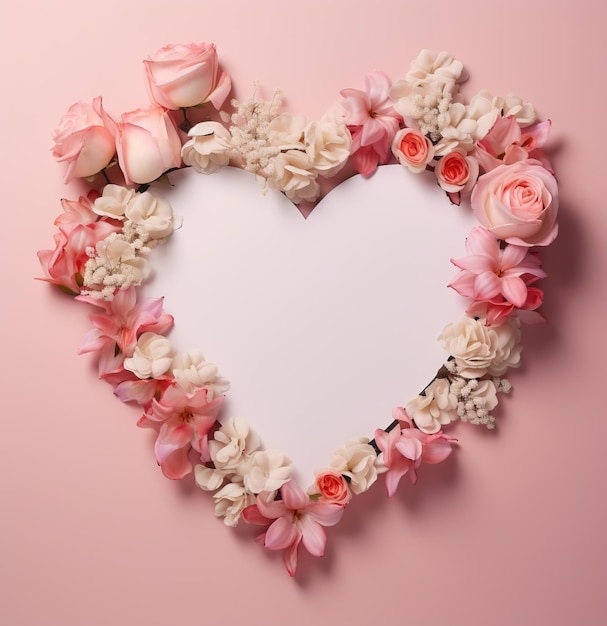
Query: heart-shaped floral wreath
{"x": 487, "y": 152}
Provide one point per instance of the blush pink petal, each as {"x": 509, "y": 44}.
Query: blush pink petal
{"x": 281, "y": 534}
{"x": 514, "y": 290}
{"x": 313, "y": 537}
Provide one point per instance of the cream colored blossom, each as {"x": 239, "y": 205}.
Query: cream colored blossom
{"x": 328, "y": 146}
{"x": 230, "y": 501}
{"x": 435, "y": 408}
{"x": 436, "y": 66}
{"x": 356, "y": 459}
{"x": 292, "y": 174}
{"x": 209, "y": 148}
{"x": 152, "y": 357}
{"x": 191, "y": 372}
{"x": 479, "y": 349}
{"x": 152, "y": 213}
{"x": 113, "y": 201}
{"x": 286, "y": 131}
{"x": 208, "y": 478}
{"x": 231, "y": 443}
{"x": 267, "y": 470}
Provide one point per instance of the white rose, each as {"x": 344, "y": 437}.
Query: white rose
{"x": 267, "y": 470}
{"x": 231, "y": 442}
{"x": 356, "y": 460}
{"x": 230, "y": 502}
{"x": 479, "y": 349}
{"x": 209, "y": 148}
{"x": 437, "y": 66}
{"x": 192, "y": 372}
{"x": 434, "y": 409}
{"x": 113, "y": 201}
{"x": 294, "y": 177}
{"x": 286, "y": 131}
{"x": 328, "y": 145}
{"x": 154, "y": 214}
{"x": 152, "y": 357}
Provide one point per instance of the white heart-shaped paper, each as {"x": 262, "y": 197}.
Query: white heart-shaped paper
{"x": 321, "y": 325}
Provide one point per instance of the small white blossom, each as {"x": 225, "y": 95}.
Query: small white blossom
{"x": 152, "y": 357}
{"x": 191, "y": 372}
{"x": 209, "y": 149}
{"x": 436, "y": 407}
{"x": 357, "y": 460}
{"x": 267, "y": 470}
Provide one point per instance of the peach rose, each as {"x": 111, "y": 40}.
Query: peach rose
{"x": 412, "y": 149}
{"x": 518, "y": 203}
{"x": 148, "y": 144}
{"x": 84, "y": 139}
{"x": 184, "y": 75}
{"x": 333, "y": 487}
{"x": 456, "y": 172}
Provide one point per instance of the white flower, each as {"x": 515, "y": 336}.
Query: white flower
{"x": 510, "y": 105}
{"x": 209, "y": 148}
{"x": 231, "y": 442}
{"x": 113, "y": 201}
{"x": 152, "y": 213}
{"x": 286, "y": 131}
{"x": 357, "y": 460}
{"x": 479, "y": 349}
{"x": 293, "y": 176}
{"x": 436, "y": 66}
{"x": 209, "y": 479}
{"x": 231, "y": 501}
{"x": 267, "y": 470}
{"x": 328, "y": 146}
{"x": 152, "y": 357}
{"x": 192, "y": 372}
{"x": 433, "y": 409}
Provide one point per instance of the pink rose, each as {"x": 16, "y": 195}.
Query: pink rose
{"x": 456, "y": 172}
{"x": 184, "y": 75}
{"x": 84, "y": 140}
{"x": 148, "y": 144}
{"x": 412, "y": 149}
{"x": 518, "y": 203}
{"x": 333, "y": 487}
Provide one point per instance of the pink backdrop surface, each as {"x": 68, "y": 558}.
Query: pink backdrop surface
{"x": 508, "y": 531}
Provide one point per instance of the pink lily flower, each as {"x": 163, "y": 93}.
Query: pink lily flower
{"x": 183, "y": 422}
{"x": 490, "y": 271}
{"x": 405, "y": 447}
{"x": 293, "y": 520}
{"x": 507, "y": 143}
{"x": 496, "y": 310}
{"x": 123, "y": 320}
{"x": 372, "y": 122}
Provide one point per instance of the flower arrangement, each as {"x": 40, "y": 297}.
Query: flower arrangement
{"x": 487, "y": 152}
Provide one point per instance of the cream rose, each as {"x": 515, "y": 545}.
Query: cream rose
{"x": 84, "y": 139}
{"x": 412, "y": 149}
{"x": 191, "y": 372}
{"x": 209, "y": 148}
{"x": 518, "y": 203}
{"x": 230, "y": 501}
{"x": 267, "y": 470}
{"x": 328, "y": 145}
{"x": 113, "y": 201}
{"x": 479, "y": 349}
{"x": 152, "y": 357}
{"x": 231, "y": 443}
{"x": 184, "y": 75}
{"x": 151, "y": 212}
{"x": 438, "y": 406}
{"x": 294, "y": 177}
{"x": 356, "y": 460}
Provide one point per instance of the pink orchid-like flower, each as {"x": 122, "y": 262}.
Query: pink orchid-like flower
{"x": 497, "y": 309}
{"x": 123, "y": 320}
{"x": 405, "y": 448}
{"x": 183, "y": 422}
{"x": 293, "y": 520}
{"x": 490, "y": 271}
{"x": 64, "y": 266}
{"x": 77, "y": 212}
{"x": 507, "y": 143}
{"x": 372, "y": 122}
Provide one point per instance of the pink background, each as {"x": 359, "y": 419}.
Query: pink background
{"x": 510, "y": 531}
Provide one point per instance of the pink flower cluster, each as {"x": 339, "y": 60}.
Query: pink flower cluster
{"x": 146, "y": 141}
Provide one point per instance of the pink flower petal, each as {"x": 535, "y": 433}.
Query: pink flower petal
{"x": 281, "y": 534}
{"x": 313, "y": 536}
{"x": 514, "y": 290}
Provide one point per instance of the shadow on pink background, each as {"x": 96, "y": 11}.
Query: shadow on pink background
{"x": 509, "y": 531}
